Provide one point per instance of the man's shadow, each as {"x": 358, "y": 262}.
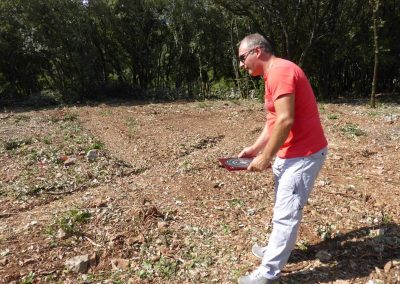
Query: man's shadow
{"x": 352, "y": 255}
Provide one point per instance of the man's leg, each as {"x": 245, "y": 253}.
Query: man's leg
{"x": 294, "y": 182}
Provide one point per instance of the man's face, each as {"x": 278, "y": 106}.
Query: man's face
{"x": 249, "y": 60}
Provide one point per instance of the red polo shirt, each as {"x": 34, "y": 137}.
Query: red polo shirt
{"x": 306, "y": 136}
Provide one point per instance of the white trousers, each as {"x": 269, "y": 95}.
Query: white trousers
{"x": 294, "y": 181}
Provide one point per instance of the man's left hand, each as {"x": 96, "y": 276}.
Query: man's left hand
{"x": 259, "y": 164}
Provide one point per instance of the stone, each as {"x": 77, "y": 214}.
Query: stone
{"x": 61, "y": 234}
{"x": 161, "y": 225}
{"x": 70, "y": 161}
{"x": 323, "y": 255}
{"x": 120, "y": 264}
{"x": 92, "y": 155}
{"x": 387, "y": 266}
{"x": 4, "y": 252}
{"x": 3, "y": 261}
{"x": 375, "y": 281}
{"x": 377, "y": 232}
{"x": 94, "y": 259}
{"x": 78, "y": 264}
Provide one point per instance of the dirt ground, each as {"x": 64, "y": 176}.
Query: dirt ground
{"x": 153, "y": 205}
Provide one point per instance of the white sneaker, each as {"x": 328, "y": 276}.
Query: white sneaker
{"x": 256, "y": 277}
{"x": 258, "y": 251}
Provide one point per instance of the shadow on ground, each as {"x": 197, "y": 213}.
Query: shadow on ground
{"x": 352, "y": 255}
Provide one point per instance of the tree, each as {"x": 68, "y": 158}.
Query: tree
{"x": 375, "y": 7}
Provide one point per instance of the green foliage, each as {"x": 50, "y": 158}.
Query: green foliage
{"x": 146, "y": 271}
{"x": 97, "y": 144}
{"x": 352, "y": 130}
{"x": 29, "y": 278}
{"x": 332, "y": 116}
{"x": 325, "y": 232}
{"x": 166, "y": 267}
{"x": 70, "y": 222}
{"x": 17, "y": 143}
{"x": 67, "y": 50}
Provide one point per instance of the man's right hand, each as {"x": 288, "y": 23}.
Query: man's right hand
{"x": 248, "y": 152}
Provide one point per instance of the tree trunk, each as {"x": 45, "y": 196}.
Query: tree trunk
{"x": 234, "y": 57}
{"x": 375, "y": 7}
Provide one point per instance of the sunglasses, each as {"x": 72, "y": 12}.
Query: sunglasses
{"x": 243, "y": 57}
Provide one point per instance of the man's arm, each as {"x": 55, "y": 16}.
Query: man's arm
{"x": 258, "y": 145}
{"x": 284, "y": 108}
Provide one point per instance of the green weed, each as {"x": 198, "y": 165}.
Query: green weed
{"x": 21, "y": 117}
{"x": 237, "y": 202}
{"x": 146, "y": 271}
{"x": 226, "y": 229}
{"x": 131, "y": 124}
{"x": 332, "y": 116}
{"x": 97, "y": 144}
{"x": 70, "y": 222}
{"x": 166, "y": 267}
{"x": 105, "y": 112}
{"x": 14, "y": 144}
{"x": 46, "y": 140}
{"x": 387, "y": 219}
{"x": 301, "y": 245}
{"x": 29, "y": 278}
{"x": 325, "y": 232}
{"x": 352, "y": 130}
{"x": 203, "y": 105}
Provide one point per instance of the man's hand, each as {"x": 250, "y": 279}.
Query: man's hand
{"x": 248, "y": 152}
{"x": 259, "y": 164}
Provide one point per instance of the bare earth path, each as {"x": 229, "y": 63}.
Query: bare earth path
{"x": 155, "y": 207}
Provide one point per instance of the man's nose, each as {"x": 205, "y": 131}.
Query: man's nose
{"x": 241, "y": 64}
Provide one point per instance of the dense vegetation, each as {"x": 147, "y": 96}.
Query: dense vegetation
{"x": 74, "y": 49}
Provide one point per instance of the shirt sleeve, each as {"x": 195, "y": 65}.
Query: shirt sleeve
{"x": 281, "y": 81}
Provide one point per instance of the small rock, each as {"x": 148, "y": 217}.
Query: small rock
{"x": 78, "y": 264}
{"x": 4, "y": 252}
{"x": 377, "y": 232}
{"x": 323, "y": 255}
{"x": 3, "y": 261}
{"x": 58, "y": 175}
{"x": 99, "y": 202}
{"x": 120, "y": 263}
{"x": 161, "y": 225}
{"x": 378, "y": 271}
{"x": 94, "y": 259}
{"x": 375, "y": 281}
{"x": 387, "y": 266}
{"x": 61, "y": 234}
{"x": 70, "y": 161}
{"x": 92, "y": 155}
{"x": 219, "y": 184}
{"x": 396, "y": 262}
{"x": 156, "y": 258}
{"x": 28, "y": 261}
{"x": 390, "y": 118}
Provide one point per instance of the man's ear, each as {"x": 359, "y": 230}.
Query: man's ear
{"x": 259, "y": 51}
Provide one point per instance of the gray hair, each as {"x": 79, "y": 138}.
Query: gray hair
{"x": 254, "y": 40}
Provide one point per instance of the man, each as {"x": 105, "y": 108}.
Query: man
{"x": 293, "y": 133}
